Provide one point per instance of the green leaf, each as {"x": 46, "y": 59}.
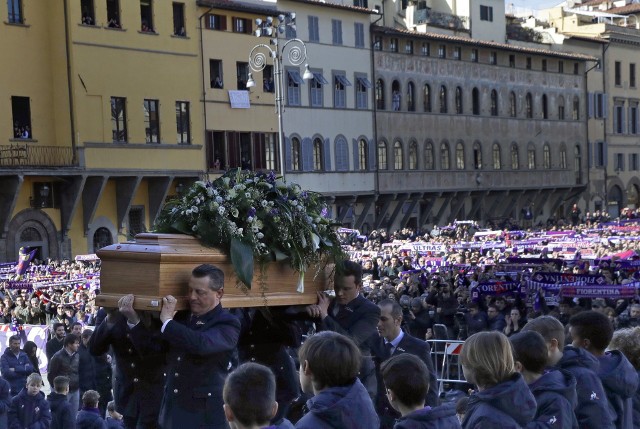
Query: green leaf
{"x": 280, "y": 256}
{"x": 182, "y": 226}
{"x": 242, "y": 260}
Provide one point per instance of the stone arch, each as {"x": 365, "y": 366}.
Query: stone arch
{"x": 43, "y": 225}
{"x": 97, "y": 223}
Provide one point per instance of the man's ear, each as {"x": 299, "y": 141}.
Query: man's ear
{"x": 553, "y": 344}
{"x": 519, "y": 366}
{"x": 305, "y": 368}
{"x": 228, "y": 413}
{"x": 391, "y": 395}
{"x": 274, "y": 409}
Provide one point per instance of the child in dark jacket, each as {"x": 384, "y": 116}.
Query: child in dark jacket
{"x": 114, "y": 418}
{"x": 592, "y": 411}
{"x": 329, "y": 366}
{"x": 89, "y": 416}
{"x": 628, "y": 342}
{"x": 406, "y": 379}
{"x": 592, "y": 331}
{"x": 29, "y": 408}
{"x": 555, "y": 391}
{"x": 503, "y": 399}
{"x": 63, "y": 416}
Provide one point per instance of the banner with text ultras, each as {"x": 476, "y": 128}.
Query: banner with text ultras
{"x": 35, "y": 333}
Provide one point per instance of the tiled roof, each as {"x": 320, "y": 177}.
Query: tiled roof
{"x": 338, "y": 6}
{"x": 630, "y": 8}
{"x": 593, "y": 3}
{"x": 263, "y": 9}
{"x": 483, "y": 43}
{"x": 587, "y": 38}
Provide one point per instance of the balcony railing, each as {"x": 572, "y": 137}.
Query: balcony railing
{"x": 23, "y": 155}
{"x": 440, "y": 19}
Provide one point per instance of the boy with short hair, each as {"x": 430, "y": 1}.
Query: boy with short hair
{"x": 114, "y": 419}
{"x": 555, "y": 391}
{"x": 406, "y": 379}
{"x": 89, "y": 416}
{"x": 62, "y": 414}
{"x": 29, "y": 408}
{"x": 257, "y": 382}
{"x": 329, "y": 366}
{"x": 592, "y": 331}
{"x": 592, "y": 411}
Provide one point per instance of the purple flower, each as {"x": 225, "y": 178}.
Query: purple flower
{"x": 271, "y": 177}
{"x": 252, "y": 212}
{"x": 324, "y": 212}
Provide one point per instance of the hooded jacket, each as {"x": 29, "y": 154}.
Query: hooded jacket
{"x": 592, "y": 410}
{"x": 62, "y": 414}
{"x": 29, "y": 411}
{"x": 21, "y": 366}
{"x": 508, "y": 405}
{"x": 443, "y": 417}
{"x": 620, "y": 381}
{"x": 340, "y": 408}
{"x": 89, "y": 418}
{"x": 636, "y": 407}
{"x": 555, "y": 394}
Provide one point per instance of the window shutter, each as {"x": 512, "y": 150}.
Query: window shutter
{"x": 307, "y": 154}
{"x": 223, "y": 23}
{"x": 590, "y": 151}
{"x": 591, "y": 101}
{"x": 356, "y": 155}
{"x": 287, "y": 154}
{"x": 342, "y": 154}
{"x": 622, "y": 121}
{"x": 327, "y": 154}
{"x": 333, "y": 31}
{"x": 606, "y": 154}
{"x": 605, "y": 107}
{"x": 372, "y": 155}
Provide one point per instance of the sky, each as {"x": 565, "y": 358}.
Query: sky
{"x": 532, "y": 4}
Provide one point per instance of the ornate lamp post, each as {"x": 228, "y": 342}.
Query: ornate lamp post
{"x": 296, "y": 54}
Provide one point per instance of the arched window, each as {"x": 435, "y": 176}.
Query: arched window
{"x": 497, "y": 157}
{"x": 380, "y": 94}
{"x": 563, "y": 157}
{"x": 411, "y": 100}
{"x": 426, "y": 100}
{"x": 529, "y": 105}
{"x": 398, "y": 161}
{"x": 494, "y": 102}
{"x": 296, "y": 154}
{"x": 444, "y": 156}
{"x": 413, "y": 155}
{"x": 30, "y": 234}
{"x": 576, "y": 108}
{"x": 341, "y": 152}
{"x": 475, "y": 101}
{"x": 443, "y": 99}
{"x": 101, "y": 238}
{"x": 428, "y": 156}
{"x": 513, "y": 110}
{"x": 477, "y": 156}
{"x": 458, "y": 100}
{"x": 561, "y": 108}
{"x": 318, "y": 155}
{"x": 382, "y": 155}
{"x": 545, "y": 107}
{"x": 460, "y": 156}
{"x": 515, "y": 161}
{"x": 396, "y": 96}
{"x": 531, "y": 157}
{"x": 546, "y": 156}
{"x": 363, "y": 154}
{"x": 577, "y": 164}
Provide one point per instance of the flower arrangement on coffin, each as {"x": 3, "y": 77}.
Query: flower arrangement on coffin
{"x": 257, "y": 217}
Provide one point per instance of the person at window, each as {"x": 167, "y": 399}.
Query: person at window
{"x": 395, "y": 100}
{"x": 217, "y": 83}
{"x": 145, "y": 27}
{"x": 86, "y": 18}
{"x": 216, "y": 164}
{"x": 113, "y": 23}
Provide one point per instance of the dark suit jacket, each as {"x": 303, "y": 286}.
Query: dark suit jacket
{"x": 139, "y": 374}
{"x": 407, "y": 344}
{"x": 199, "y": 357}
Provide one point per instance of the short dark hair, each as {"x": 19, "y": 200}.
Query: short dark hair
{"x": 396, "y": 309}
{"x": 350, "y": 268}
{"x": 408, "y": 377}
{"x": 593, "y": 326}
{"x": 15, "y": 338}
{"x": 90, "y": 398}
{"x": 60, "y": 383}
{"x": 250, "y": 392}
{"x": 57, "y": 325}
{"x": 215, "y": 274}
{"x": 76, "y": 324}
{"x": 70, "y": 339}
{"x": 333, "y": 359}
{"x": 86, "y": 334}
{"x": 549, "y": 327}
{"x": 530, "y": 349}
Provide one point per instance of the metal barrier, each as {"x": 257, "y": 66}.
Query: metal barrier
{"x": 446, "y": 361}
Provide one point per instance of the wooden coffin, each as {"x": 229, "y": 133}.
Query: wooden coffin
{"x": 156, "y": 265}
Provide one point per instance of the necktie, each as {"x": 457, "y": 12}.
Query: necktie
{"x": 389, "y": 347}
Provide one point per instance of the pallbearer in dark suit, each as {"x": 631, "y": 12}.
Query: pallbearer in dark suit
{"x": 352, "y": 315}
{"x": 392, "y": 341}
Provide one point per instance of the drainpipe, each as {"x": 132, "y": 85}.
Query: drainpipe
{"x": 376, "y": 189}
{"x": 72, "y": 121}
{"x": 204, "y": 87}
{"x": 604, "y": 128}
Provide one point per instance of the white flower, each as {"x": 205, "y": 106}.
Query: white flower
{"x": 260, "y": 236}
{"x": 194, "y": 209}
{"x": 221, "y": 210}
{"x": 194, "y": 228}
{"x": 226, "y": 181}
{"x": 219, "y": 199}
{"x": 264, "y": 203}
{"x": 240, "y": 231}
{"x": 201, "y": 184}
{"x": 188, "y": 212}
{"x": 209, "y": 192}
{"x": 234, "y": 212}
{"x": 250, "y": 219}
{"x": 231, "y": 194}
{"x": 174, "y": 210}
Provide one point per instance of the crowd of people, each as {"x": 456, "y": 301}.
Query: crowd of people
{"x": 550, "y": 319}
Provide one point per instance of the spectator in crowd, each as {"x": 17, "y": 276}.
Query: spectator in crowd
{"x": 514, "y": 322}
{"x": 15, "y": 365}
{"x": 67, "y": 362}
{"x": 86, "y": 368}
{"x": 495, "y": 319}
{"x": 76, "y": 328}
{"x": 29, "y": 409}
{"x": 555, "y": 391}
{"x": 446, "y": 306}
{"x": 350, "y": 314}
{"x": 329, "y": 365}
{"x": 476, "y": 320}
{"x": 255, "y": 381}
{"x": 419, "y": 319}
{"x": 407, "y": 380}
{"x": 630, "y": 319}
{"x": 627, "y": 341}
{"x": 592, "y": 331}
{"x": 89, "y": 416}
{"x": 31, "y": 349}
{"x": 5, "y": 402}
{"x": 62, "y": 414}
{"x": 57, "y": 341}
{"x": 592, "y": 410}
{"x": 114, "y": 419}
{"x": 487, "y": 361}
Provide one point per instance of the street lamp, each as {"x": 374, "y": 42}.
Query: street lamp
{"x": 296, "y": 52}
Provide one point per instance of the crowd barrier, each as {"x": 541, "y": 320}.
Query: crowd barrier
{"x": 36, "y": 333}
{"x": 446, "y": 361}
